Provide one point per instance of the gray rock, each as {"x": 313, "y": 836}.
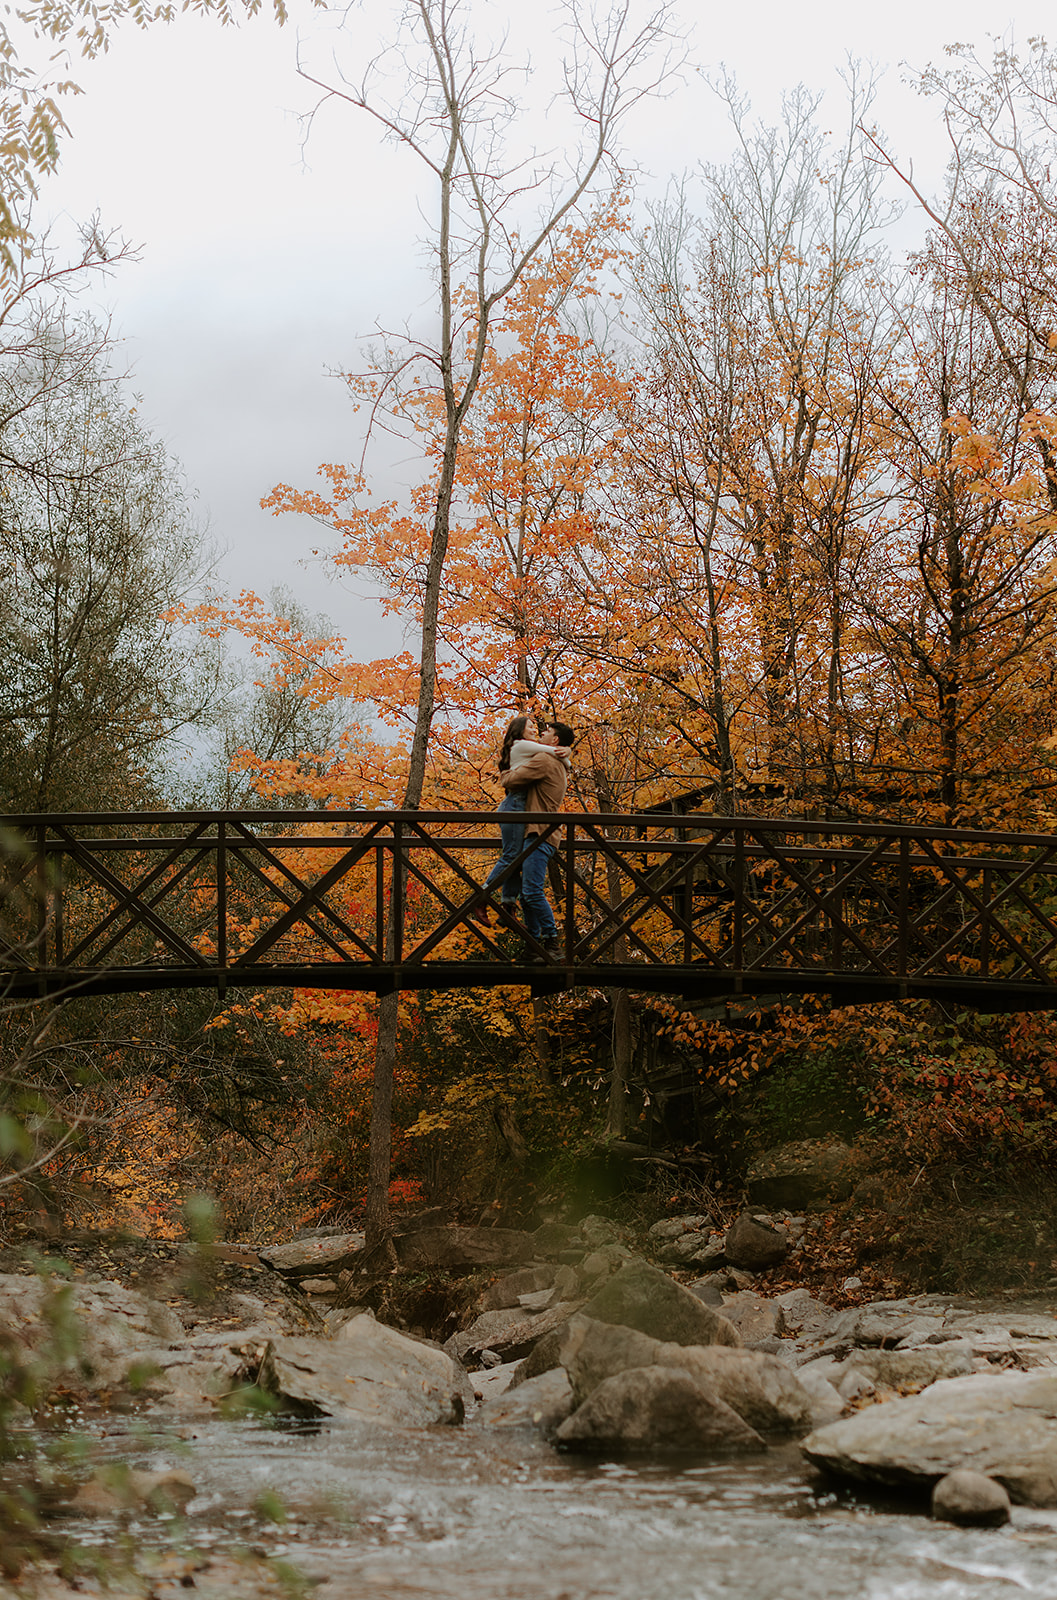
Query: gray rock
{"x": 1004, "y": 1427}
{"x": 492, "y": 1381}
{"x": 489, "y": 1331}
{"x": 368, "y": 1373}
{"x": 641, "y": 1296}
{"x": 755, "y": 1317}
{"x": 805, "y": 1316}
{"x": 913, "y": 1369}
{"x": 795, "y": 1174}
{"x": 753, "y": 1245}
{"x": 855, "y": 1385}
{"x": 507, "y": 1291}
{"x": 708, "y": 1292}
{"x": 542, "y": 1403}
{"x": 971, "y": 1500}
{"x": 761, "y": 1389}
{"x": 536, "y": 1302}
{"x": 595, "y": 1231}
{"x": 670, "y": 1228}
{"x": 314, "y": 1257}
{"x": 191, "y": 1379}
{"x": 600, "y": 1263}
{"x": 510, "y": 1335}
{"x": 567, "y": 1285}
{"x": 689, "y": 1249}
{"x": 826, "y": 1403}
{"x": 114, "y": 1327}
{"x": 887, "y": 1323}
{"x": 655, "y": 1408}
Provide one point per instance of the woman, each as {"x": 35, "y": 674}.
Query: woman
{"x": 517, "y": 750}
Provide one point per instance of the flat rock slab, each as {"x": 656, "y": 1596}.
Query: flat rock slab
{"x": 1004, "y": 1427}
{"x": 512, "y": 1333}
{"x": 112, "y": 1325}
{"x": 465, "y": 1247}
{"x": 913, "y": 1369}
{"x": 508, "y": 1291}
{"x": 311, "y": 1258}
{"x": 366, "y": 1373}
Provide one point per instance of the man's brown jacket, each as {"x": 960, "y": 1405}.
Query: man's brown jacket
{"x": 545, "y": 778}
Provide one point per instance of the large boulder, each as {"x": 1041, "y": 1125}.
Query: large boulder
{"x": 763, "y": 1391}
{"x": 366, "y": 1373}
{"x": 754, "y": 1245}
{"x": 642, "y": 1297}
{"x": 793, "y": 1175}
{"x": 1004, "y": 1427}
{"x": 655, "y": 1408}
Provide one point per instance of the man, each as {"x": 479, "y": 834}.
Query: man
{"x": 545, "y": 777}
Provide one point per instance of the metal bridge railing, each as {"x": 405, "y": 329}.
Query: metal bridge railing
{"x": 381, "y": 900}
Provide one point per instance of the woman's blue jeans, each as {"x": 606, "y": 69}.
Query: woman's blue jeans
{"x": 513, "y": 837}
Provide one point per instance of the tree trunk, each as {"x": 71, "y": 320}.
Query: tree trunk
{"x": 616, "y": 1120}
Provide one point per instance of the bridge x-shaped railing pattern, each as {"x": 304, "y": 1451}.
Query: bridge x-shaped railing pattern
{"x": 694, "y": 905}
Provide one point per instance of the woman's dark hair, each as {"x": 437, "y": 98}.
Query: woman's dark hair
{"x": 515, "y": 730}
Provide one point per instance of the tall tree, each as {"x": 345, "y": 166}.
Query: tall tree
{"x": 96, "y": 542}
{"x": 443, "y": 95}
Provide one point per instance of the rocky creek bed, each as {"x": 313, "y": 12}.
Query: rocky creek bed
{"x": 602, "y": 1420}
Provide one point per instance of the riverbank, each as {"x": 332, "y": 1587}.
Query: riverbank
{"x": 223, "y": 1442}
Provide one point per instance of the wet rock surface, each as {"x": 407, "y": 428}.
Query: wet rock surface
{"x": 659, "y": 1409}
{"x": 971, "y": 1500}
{"x": 1002, "y": 1426}
{"x": 366, "y": 1373}
{"x": 763, "y": 1391}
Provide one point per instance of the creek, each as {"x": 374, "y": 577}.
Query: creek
{"x": 485, "y": 1514}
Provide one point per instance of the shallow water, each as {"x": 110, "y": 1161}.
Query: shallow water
{"x": 467, "y": 1514}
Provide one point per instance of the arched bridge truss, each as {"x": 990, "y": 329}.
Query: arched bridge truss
{"x": 691, "y": 905}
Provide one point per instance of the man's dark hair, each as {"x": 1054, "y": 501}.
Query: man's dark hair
{"x": 564, "y": 732}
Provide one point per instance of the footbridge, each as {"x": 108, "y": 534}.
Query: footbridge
{"x": 692, "y": 905}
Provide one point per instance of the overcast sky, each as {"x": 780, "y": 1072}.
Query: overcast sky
{"x": 265, "y": 262}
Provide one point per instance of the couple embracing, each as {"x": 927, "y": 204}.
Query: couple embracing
{"x": 535, "y": 774}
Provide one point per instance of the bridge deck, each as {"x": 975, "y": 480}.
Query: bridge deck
{"x": 694, "y": 905}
